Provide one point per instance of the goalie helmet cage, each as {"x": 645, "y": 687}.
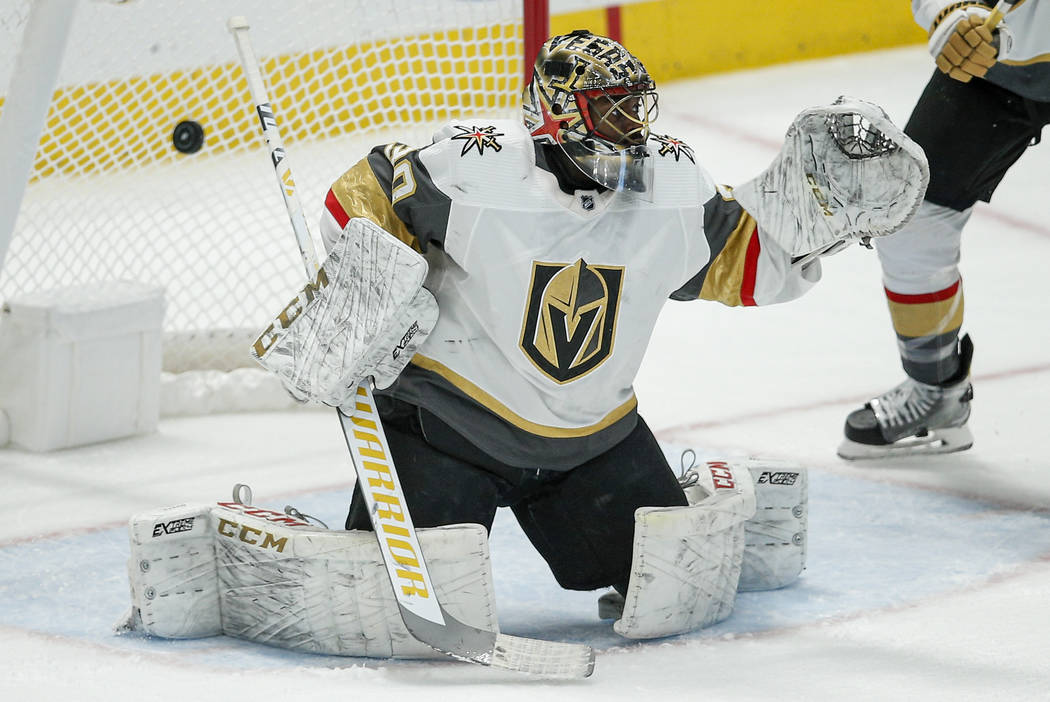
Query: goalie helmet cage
{"x": 118, "y": 188}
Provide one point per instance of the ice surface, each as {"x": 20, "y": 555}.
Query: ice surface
{"x": 928, "y": 578}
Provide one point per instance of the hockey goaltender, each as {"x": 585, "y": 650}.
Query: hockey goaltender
{"x": 549, "y": 247}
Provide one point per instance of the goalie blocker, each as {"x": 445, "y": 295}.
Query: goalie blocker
{"x": 264, "y": 576}
{"x": 364, "y": 316}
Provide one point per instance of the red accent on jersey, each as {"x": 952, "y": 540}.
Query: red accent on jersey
{"x": 332, "y": 205}
{"x": 747, "y": 285}
{"x": 923, "y": 298}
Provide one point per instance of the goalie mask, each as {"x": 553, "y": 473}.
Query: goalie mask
{"x": 594, "y": 99}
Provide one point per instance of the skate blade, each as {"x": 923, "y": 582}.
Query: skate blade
{"x": 936, "y": 442}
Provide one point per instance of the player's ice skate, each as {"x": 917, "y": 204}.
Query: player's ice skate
{"x": 914, "y": 418}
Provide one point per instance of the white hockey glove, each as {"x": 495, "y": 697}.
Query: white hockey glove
{"x": 366, "y": 316}
{"x": 845, "y": 173}
{"x": 963, "y": 48}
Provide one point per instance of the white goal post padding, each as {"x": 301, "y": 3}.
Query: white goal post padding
{"x": 110, "y": 197}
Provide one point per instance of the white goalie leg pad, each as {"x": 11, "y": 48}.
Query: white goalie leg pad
{"x": 687, "y": 560}
{"x": 365, "y": 315}
{"x": 776, "y": 538}
{"x": 171, "y": 569}
{"x": 845, "y": 172}
{"x": 305, "y": 588}
{"x": 263, "y": 576}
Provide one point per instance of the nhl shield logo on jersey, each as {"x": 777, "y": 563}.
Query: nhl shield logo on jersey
{"x": 479, "y": 138}
{"x": 570, "y": 322}
{"x": 669, "y": 146}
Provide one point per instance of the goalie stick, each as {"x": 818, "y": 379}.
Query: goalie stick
{"x": 423, "y": 615}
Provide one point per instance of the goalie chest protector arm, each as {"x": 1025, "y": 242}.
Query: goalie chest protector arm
{"x": 746, "y": 268}
{"x": 392, "y": 188}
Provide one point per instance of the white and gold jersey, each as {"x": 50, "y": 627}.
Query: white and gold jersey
{"x": 1025, "y": 68}
{"x": 548, "y": 300}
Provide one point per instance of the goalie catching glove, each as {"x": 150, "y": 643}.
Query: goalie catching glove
{"x": 365, "y": 315}
{"x": 845, "y": 173}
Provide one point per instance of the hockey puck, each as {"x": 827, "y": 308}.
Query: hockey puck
{"x": 188, "y": 137}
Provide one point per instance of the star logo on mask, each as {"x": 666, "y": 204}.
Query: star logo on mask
{"x": 674, "y": 147}
{"x": 480, "y": 138}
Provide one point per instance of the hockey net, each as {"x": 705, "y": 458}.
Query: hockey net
{"x": 110, "y": 197}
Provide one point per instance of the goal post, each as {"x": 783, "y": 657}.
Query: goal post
{"x": 33, "y": 74}
{"x": 148, "y": 165}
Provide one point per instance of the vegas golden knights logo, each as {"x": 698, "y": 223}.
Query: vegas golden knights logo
{"x": 570, "y": 322}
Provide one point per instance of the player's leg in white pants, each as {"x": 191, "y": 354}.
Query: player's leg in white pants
{"x": 920, "y": 272}
{"x": 927, "y": 412}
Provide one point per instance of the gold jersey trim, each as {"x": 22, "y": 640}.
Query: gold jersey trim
{"x": 725, "y": 275}
{"x": 1041, "y": 58}
{"x": 503, "y": 412}
{"x": 360, "y": 195}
